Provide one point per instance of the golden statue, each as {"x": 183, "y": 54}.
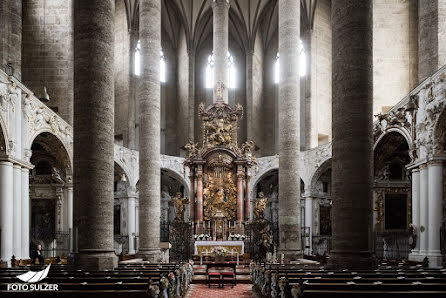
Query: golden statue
{"x": 219, "y": 87}
{"x": 179, "y": 204}
{"x": 259, "y": 210}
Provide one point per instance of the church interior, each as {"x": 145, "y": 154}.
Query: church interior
{"x": 198, "y": 148}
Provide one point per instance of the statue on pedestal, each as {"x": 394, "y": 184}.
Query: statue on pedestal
{"x": 179, "y": 204}
{"x": 259, "y": 210}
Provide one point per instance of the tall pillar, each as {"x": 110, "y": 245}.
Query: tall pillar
{"x": 132, "y": 87}
{"x": 6, "y": 209}
{"x": 431, "y": 37}
{"x": 17, "y": 229}
{"x": 94, "y": 137}
{"x": 352, "y": 134}
{"x": 199, "y": 208}
{"x": 220, "y": 10}
{"x": 309, "y": 220}
{"x": 289, "y": 130}
{"x": 11, "y": 37}
{"x": 191, "y": 101}
{"x": 25, "y": 213}
{"x": 131, "y": 220}
{"x": 149, "y": 130}
{"x": 423, "y": 209}
{"x": 192, "y": 198}
{"x": 416, "y": 211}
{"x": 70, "y": 214}
{"x": 247, "y": 200}
{"x": 249, "y": 95}
{"x": 435, "y": 211}
{"x": 240, "y": 176}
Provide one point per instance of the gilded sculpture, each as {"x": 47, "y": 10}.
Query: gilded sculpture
{"x": 179, "y": 204}
{"x": 219, "y": 132}
{"x": 259, "y": 210}
{"x": 220, "y": 194}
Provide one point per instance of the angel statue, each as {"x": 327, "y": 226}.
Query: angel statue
{"x": 259, "y": 210}
{"x": 179, "y": 204}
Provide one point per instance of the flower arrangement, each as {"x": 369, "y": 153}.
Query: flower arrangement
{"x": 164, "y": 282}
{"x": 201, "y": 237}
{"x": 237, "y": 237}
{"x": 219, "y": 251}
{"x": 155, "y": 290}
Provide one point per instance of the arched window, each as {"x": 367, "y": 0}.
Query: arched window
{"x": 138, "y": 63}
{"x": 209, "y": 72}
{"x": 302, "y": 64}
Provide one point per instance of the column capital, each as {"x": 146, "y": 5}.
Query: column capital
{"x": 423, "y": 166}
{"x": 216, "y": 3}
{"x": 415, "y": 170}
{"x": 435, "y": 162}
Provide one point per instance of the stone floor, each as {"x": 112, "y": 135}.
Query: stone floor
{"x": 202, "y": 291}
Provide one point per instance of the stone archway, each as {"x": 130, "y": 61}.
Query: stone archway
{"x": 51, "y": 195}
{"x": 392, "y": 198}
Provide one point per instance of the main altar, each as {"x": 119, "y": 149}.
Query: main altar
{"x": 219, "y": 202}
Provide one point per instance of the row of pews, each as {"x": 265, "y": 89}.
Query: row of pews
{"x": 275, "y": 280}
{"x": 128, "y": 280}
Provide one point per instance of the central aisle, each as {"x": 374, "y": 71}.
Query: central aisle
{"x": 202, "y": 291}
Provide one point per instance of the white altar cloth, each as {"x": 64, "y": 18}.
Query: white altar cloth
{"x": 237, "y": 246}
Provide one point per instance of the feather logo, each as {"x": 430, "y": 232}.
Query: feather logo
{"x": 33, "y": 277}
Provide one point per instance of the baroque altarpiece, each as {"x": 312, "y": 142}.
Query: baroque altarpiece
{"x": 219, "y": 176}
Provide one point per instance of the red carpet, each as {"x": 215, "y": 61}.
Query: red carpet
{"x": 202, "y": 291}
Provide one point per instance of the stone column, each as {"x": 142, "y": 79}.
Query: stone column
{"x": 70, "y": 214}
{"x": 11, "y": 36}
{"x": 416, "y": 211}
{"x": 352, "y": 134}
{"x": 149, "y": 95}
{"x": 6, "y": 209}
{"x": 132, "y": 88}
{"x": 192, "y": 198}
{"x": 289, "y": 130}
{"x": 25, "y": 213}
{"x": 17, "y": 228}
{"x": 191, "y": 100}
{"x": 435, "y": 211}
{"x": 220, "y": 27}
{"x": 423, "y": 210}
{"x": 309, "y": 220}
{"x": 249, "y": 95}
{"x": 131, "y": 223}
{"x": 94, "y": 137}
{"x": 199, "y": 208}
{"x": 431, "y": 37}
{"x": 240, "y": 176}
{"x": 247, "y": 200}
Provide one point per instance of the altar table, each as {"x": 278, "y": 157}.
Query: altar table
{"x": 202, "y": 246}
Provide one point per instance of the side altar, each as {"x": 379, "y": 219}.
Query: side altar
{"x": 219, "y": 201}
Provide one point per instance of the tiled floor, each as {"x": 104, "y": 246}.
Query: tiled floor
{"x": 202, "y": 291}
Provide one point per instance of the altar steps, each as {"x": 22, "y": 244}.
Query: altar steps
{"x": 243, "y": 276}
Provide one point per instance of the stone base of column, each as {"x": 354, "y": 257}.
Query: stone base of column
{"x": 151, "y": 255}
{"x": 290, "y": 242}
{"x": 290, "y": 255}
{"x": 435, "y": 259}
{"x": 416, "y": 257}
{"x": 352, "y": 260}
{"x": 93, "y": 260}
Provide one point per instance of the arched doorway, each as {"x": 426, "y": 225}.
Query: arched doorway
{"x": 391, "y": 197}
{"x": 50, "y": 190}
{"x": 320, "y": 203}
